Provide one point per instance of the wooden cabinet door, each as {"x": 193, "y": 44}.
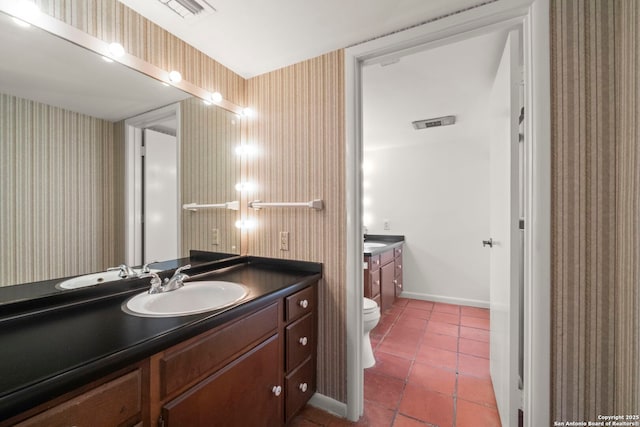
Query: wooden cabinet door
{"x": 243, "y": 393}
{"x": 387, "y": 286}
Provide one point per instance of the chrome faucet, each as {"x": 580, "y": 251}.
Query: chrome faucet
{"x": 125, "y": 271}
{"x": 176, "y": 281}
{"x": 145, "y": 268}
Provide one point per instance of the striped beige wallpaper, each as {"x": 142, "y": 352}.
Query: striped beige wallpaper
{"x": 59, "y": 210}
{"x": 210, "y": 168}
{"x": 594, "y": 57}
{"x": 299, "y": 129}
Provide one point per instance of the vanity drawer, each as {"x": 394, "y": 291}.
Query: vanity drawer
{"x": 373, "y": 262}
{"x": 202, "y": 355}
{"x": 115, "y": 403}
{"x": 398, "y": 263}
{"x": 300, "y": 341}
{"x": 300, "y": 386}
{"x": 397, "y": 252}
{"x": 300, "y": 303}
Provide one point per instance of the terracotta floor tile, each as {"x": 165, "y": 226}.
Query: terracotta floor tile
{"x": 437, "y": 357}
{"x": 474, "y": 322}
{"x": 429, "y": 406}
{"x": 446, "y": 342}
{"x": 475, "y": 348}
{"x": 417, "y": 313}
{"x": 474, "y": 333}
{"x": 402, "y": 302}
{"x": 315, "y": 415}
{"x": 478, "y": 390}
{"x": 438, "y": 316}
{"x": 402, "y": 421}
{"x": 411, "y": 322}
{"x": 442, "y": 328}
{"x": 382, "y": 389}
{"x": 475, "y": 312}
{"x": 446, "y": 308}
{"x": 433, "y": 378}
{"x": 391, "y": 365}
{"x": 469, "y": 414}
{"x": 403, "y": 332}
{"x": 403, "y": 347}
{"x": 473, "y": 366}
{"x": 419, "y": 304}
{"x": 376, "y": 416}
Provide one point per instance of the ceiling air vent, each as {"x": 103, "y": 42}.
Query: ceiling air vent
{"x": 430, "y": 123}
{"x": 189, "y": 8}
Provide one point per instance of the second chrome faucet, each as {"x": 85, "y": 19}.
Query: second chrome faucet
{"x": 176, "y": 281}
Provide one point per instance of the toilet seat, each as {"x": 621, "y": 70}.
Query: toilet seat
{"x": 369, "y": 305}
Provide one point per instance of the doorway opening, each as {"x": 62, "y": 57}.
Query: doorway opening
{"x": 535, "y": 172}
{"x": 152, "y": 195}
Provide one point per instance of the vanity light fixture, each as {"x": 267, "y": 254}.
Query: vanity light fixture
{"x": 105, "y": 59}
{"x": 247, "y": 112}
{"x": 116, "y": 50}
{"x": 245, "y": 186}
{"x": 245, "y": 224}
{"x": 245, "y": 150}
{"x": 26, "y": 9}
{"x": 216, "y": 97}
{"x": 175, "y": 76}
{"x": 207, "y": 103}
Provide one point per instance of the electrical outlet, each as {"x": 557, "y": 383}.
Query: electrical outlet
{"x": 284, "y": 240}
{"x": 215, "y": 236}
{"x": 386, "y": 225}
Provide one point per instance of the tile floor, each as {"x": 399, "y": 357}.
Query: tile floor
{"x": 432, "y": 370}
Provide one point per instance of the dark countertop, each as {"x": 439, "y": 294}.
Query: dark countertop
{"x": 389, "y": 241}
{"x": 50, "y": 351}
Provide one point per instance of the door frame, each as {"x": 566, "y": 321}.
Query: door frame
{"x": 533, "y": 18}
{"x": 133, "y": 178}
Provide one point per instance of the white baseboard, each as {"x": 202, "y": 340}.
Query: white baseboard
{"x": 328, "y": 404}
{"x": 448, "y": 300}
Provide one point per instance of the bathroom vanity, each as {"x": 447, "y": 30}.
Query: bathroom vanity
{"x": 383, "y": 272}
{"x": 87, "y": 362}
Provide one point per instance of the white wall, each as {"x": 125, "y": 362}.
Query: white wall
{"x": 433, "y": 184}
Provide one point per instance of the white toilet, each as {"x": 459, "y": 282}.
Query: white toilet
{"x": 370, "y": 318}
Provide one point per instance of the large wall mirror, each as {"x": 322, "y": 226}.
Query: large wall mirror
{"x": 67, "y": 119}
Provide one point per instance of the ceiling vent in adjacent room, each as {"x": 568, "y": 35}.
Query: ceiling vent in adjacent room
{"x": 430, "y": 123}
{"x": 189, "y": 8}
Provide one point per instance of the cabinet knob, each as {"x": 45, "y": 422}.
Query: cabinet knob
{"x": 277, "y": 390}
{"x": 395, "y": 282}
{"x": 377, "y": 262}
{"x": 304, "y": 303}
{"x": 303, "y": 341}
{"x": 303, "y": 387}
{"x": 400, "y": 267}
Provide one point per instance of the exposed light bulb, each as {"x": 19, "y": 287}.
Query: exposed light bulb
{"x": 26, "y": 10}
{"x": 245, "y": 224}
{"x": 245, "y": 150}
{"x": 116, "y": 50}
{"x": 245, "y": 186}
{"x": 216, "y": 97}
{"x": 247, "y": 112}
{"x": 175, "y": 76}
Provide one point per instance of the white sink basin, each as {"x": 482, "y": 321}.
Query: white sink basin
{"x": 373, "y": 245}
{"x": 192, "y": 298}
{"x": 92, "y": 279}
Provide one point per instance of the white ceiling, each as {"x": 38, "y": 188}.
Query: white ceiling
{"x": 252, "y": 37}
{"x": 454, "y": 79}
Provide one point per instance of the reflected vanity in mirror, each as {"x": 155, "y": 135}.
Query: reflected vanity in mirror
{"x": 70, "y": 145}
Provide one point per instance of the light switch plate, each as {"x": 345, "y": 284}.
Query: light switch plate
{"x": 284, "y": 240}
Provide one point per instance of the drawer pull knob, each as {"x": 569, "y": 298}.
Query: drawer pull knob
{"x": 303, "y": 387}
{"x": 303, "y": 341}
{"x": 395, "y": 282}
{"x": 277, "y": 390}
{"x": 304, "y": 303}
{"x": 400, "y": 267}
{"x": 377, "y": 282}
{"x": 377, "y": 262}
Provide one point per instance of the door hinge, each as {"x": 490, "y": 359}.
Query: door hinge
{"x": 143, "y": 151}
